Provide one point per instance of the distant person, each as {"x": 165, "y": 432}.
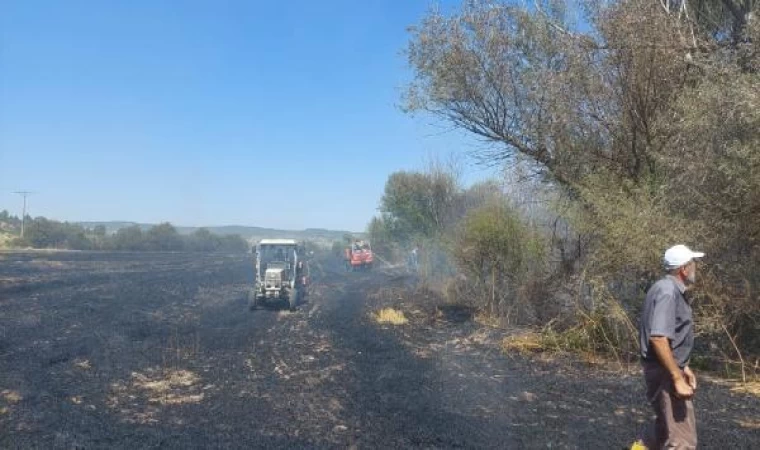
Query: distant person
{"x": 413, "y": 262}
{"x": 666, "y": 338}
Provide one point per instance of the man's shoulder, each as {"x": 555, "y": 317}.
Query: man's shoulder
{"x": 664, "y": 285}
{"x": 666, "y": 281}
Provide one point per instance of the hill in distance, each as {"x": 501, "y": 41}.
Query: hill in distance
{"x": 250, "y": 233}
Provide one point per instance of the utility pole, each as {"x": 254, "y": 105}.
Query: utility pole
{"x": 23, "y": 214}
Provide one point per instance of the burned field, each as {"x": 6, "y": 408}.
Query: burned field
{"x": 103, "y": 350}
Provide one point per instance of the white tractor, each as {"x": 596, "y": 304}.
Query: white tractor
{"x": 282, "y": 273}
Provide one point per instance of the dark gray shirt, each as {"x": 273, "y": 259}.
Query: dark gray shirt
{"x": 666, "y": 313}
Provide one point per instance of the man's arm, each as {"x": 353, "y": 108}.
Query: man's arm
{"x": 661, "y": 347}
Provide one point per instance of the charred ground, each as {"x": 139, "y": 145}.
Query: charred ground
{"x": 102, "y": 350}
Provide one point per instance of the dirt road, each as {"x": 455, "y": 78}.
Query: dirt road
{"x": 160, "y": 351}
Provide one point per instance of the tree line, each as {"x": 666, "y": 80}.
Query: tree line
{"x": 43, "y": 233}
{"x": 637, "y": 126}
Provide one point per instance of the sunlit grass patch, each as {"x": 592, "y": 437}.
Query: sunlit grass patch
{"x": 391, "y": 316}
{"x": 169, "y": 389}
{"x": 285, "y": 314}
{"x": 5, "y": 240}
{"x": 140, "y": 398}
{"x": 8, "y": 399}
{"x": 523, "y": 343}
{"x": 753, "y": 424}
{"x": 487, "y": 320}
{"x": 11, "y": 396}
{"x": 752, "y": 388}
{"x": 82, "y": 364}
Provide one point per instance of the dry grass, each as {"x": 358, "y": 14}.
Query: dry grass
{"x": 285, "y": 314}
{"x": 751, "y": 388}
{"x": 154, "y": 387}
{"x": 391, "y": 316}
{"x": 83, "y": 364}
{"x": 5, "y": 240}
{"x": 487, "y": 320}
{"x": 11, "y": 396}
{"x": 523, "y": 343}
{"x": 169, "y": 388}
{"x": 753, "y": 424}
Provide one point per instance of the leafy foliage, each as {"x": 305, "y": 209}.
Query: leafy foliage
{"x": 501, "y": 258}
{"x": 45, "y": 233}
{"x": 647, "y": 118}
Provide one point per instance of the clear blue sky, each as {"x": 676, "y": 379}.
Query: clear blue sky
{"x": 155, "y": 110}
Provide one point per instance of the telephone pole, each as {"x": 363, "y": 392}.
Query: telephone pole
{"x": 23, "y": 214}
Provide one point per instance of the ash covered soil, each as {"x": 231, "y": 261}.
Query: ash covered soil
{"x": 102, "y": 350}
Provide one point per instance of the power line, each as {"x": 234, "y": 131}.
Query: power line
{"x": 23, "y": 214}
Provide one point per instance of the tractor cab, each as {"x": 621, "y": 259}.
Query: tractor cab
{"x": 281, "y": 272}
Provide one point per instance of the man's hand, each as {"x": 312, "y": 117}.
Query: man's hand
{"x": 683, "y": 382}
{"x": 682, "y": 388}
{"x": 690, "y": 378}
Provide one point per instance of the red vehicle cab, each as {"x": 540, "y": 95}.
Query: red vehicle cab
{"x": 358, "y": 256}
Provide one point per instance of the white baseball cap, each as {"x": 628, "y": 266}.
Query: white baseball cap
{"x": 678, "y": 255}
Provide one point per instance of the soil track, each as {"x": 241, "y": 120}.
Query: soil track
{"x": 160, "y": 351}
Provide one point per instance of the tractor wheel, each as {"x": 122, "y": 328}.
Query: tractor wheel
{"x": 253, "y": 302}
{"x": 295, "y": 297}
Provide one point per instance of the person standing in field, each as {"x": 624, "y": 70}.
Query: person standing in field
{"x": 666, "y": 338}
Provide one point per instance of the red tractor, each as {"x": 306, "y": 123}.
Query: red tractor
{"x": 358, "y": 256}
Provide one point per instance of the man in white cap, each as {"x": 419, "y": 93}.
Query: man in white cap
{"x": 666, "y": 337}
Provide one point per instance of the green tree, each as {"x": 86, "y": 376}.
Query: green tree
{"x": 44, "y": 233}
{"x": 164, "y": 237}
{"x": 498, "y": 252}
{"x": 647, "y": 119}
{"x": 416, "y": 203}
{"x": 99, "y": 231}
{"x": 202, "y": 240}
{"x": 130, "y": 239}
{"x": 574, "y": 103}
{"x": 233, "y": 243}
